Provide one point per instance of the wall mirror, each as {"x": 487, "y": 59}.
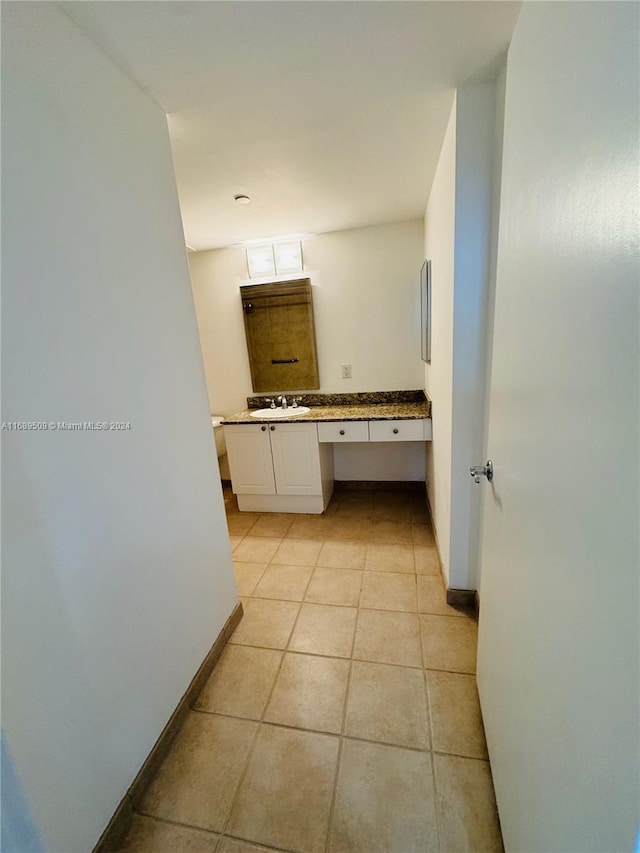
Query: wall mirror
{"x": 425, "y": 311}
{"x": 281, "y": 337}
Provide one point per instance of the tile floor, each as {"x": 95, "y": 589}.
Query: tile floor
{"x": 343, "y": 716}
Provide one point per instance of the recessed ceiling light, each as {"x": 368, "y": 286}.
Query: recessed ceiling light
{"x": 242, "y": 199}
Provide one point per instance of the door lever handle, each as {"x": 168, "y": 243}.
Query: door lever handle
{"x": 478, "y": 471}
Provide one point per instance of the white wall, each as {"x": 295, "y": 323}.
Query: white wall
{"x": 117, "y": 575}
{"x": 558, "y": 662}
{"x": 367, "y": 306}
{"x": 381, "y": 461}
{"x": 366, "y": 302}
{"x": 439, "y": 247}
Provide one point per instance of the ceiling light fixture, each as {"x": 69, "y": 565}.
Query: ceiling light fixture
{"x": 242, "y": 199}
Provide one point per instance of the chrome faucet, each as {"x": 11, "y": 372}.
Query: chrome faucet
{"x": 283, "y": 400}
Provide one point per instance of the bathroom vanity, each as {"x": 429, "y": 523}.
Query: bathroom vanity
{"x": 285, "y": 464}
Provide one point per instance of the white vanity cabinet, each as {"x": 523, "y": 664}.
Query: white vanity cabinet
{"x": 279, "y": 467}
{"x": 249, "y": 455}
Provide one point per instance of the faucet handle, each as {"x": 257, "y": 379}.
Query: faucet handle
{"x": 271, "y": 401}
{"x": 295, "y": 401}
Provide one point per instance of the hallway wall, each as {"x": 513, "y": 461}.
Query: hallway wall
{"x": 116, "y": 570}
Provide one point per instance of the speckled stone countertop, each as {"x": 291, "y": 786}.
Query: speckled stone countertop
{"x": 388, "y": 409}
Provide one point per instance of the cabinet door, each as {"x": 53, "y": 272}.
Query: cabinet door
{"x": 249, "y": 455}
{"x": 296, "y": 459}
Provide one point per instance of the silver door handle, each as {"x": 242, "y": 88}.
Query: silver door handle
{"x": 478, "y": 471}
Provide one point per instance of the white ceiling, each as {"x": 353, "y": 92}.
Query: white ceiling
{"x": 330, "y": 115}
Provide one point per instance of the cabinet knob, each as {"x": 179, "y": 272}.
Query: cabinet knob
{"x": 263, "y": 428}
{"x": 272, "y": 428}
{"x": 341, "y": 432}
{"x": 395, "y": 432}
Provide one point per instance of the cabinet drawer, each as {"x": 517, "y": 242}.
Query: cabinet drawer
{"x": 343, "y": 431}
{"x": 406, "y": 430}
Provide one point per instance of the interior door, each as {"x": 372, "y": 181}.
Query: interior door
{"x": 558, "y": 634}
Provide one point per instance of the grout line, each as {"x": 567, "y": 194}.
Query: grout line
{"x": 431, "y": 759}
{"x": 339, "y": 657}
{"x": 258, "y": 844}
{"x": 460, "y": 755}
{"x": 251, "y": 595}
{"x": 172, "y": 822}
{"x": 273, "y": 723}
{"x": 250, "y": 753}
{"x": 261, "y": 724}
{"x": 295, "y": 624}
{"x": 343, "y": 724}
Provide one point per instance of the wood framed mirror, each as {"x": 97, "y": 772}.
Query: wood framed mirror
{"x": 281, "y": 338}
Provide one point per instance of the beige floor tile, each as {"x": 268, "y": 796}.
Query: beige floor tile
{"x": 233, "y": 845}
{"x": 285, "y": 796}
{"x": 342, "y": 555}
{"x": 309, "y": 693}
{"x": 399, "y": 513}
{"x": 240, "y": 523}
{"x": 266, "y": 623}
{"x": 389, "y": 558}
{"x": 348, "y": 509}
{"x": 456, "y": 719}
{"x": 324, "y": 630}
{"x": 389, "y": 591}
{"x": 256, "y": 549}
{"x": 234, "y": 541}
{"x": 247, "y": 576}
{"x": 273, "y": 524}
{"x": 432, "y": 597}
{"x": 426, "y": 560}
{"x": 449, "y": 643}
{"x": 420, "y": 514}
{"x": 467, "y": 814}
{"x": 384, "y": 801}
{"x": 388, "y": 638}
{"x": 148, "y": 835}
{"x": 422, "y": 534}
{"x": 196, "y": 783}
{"x": 288, "y": 583}
{"x": 355, "y": 529}
{"x": 335, "y": 586}
{"x": 241, "y": 682}
{"x": 388, "y": 704}
{"x": 310, "y": 527}
{"x": 298, "y": 552}
{"x": 392, "y": 533}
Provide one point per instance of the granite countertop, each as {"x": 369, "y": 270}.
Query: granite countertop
{"x": 350, "y": 410}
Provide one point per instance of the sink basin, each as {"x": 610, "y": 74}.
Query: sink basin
{"x": 291, "y": 412}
